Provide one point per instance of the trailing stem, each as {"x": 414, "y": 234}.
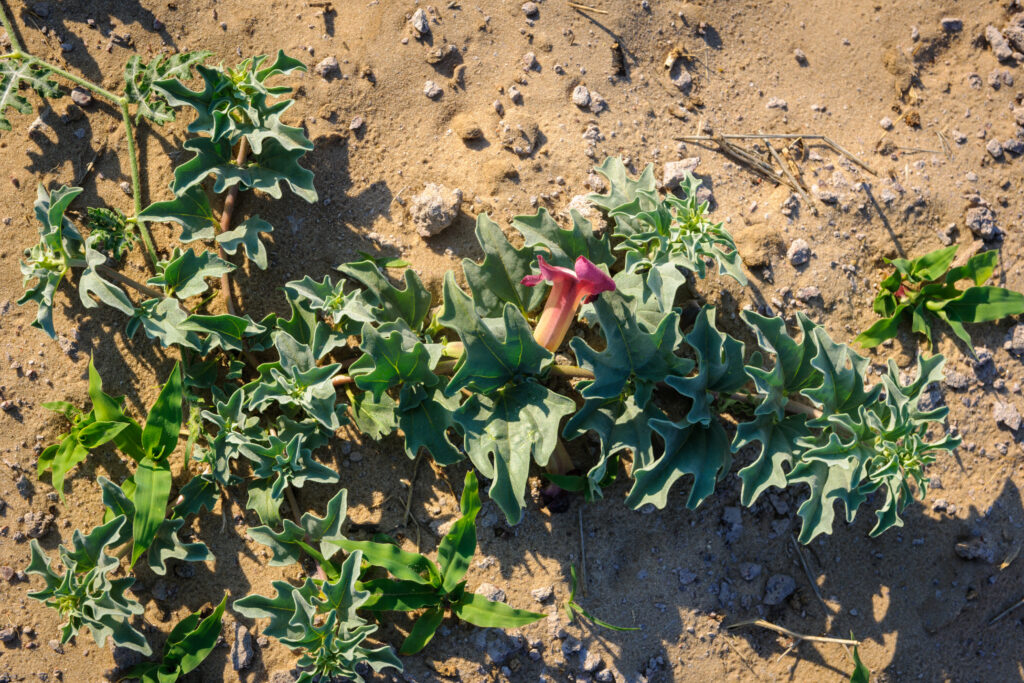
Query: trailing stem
{"x": 225, "y": 225}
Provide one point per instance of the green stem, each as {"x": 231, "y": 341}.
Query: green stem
{"x": 78, "y": 80}
{"x": 133, "y": 165}
{"x": 15, "y": 43}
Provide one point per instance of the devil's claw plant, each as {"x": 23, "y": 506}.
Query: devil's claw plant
{"x": 189, "y": 643}
{"x": 924, "y": 291}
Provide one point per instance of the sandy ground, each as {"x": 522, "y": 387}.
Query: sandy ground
{"x": 864, "y": 73}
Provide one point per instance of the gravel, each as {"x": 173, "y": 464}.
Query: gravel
{"x": 778, "y": 588}
{"x": 37, "y": 523}
{"x": 581, "y": 96}
{"x": 952, "y": 24}
{"x": 1006, "y": 414}
{"x": 800, "y": 57}
{"x": 776, "y": 103}
{"x": 982, "y": 222}
{"x": 419, "y": 22}
{"x": 543, "y": 593}
{"x": 995, "y": 148}
{"x": 885, "y": 123}
{"x": 432, "y": 90}
{"x": 328, "y": 68}
{"x": 1000, "y": 47}
{"x": 531, "y": 10}
{"x": 518, "y": 134}
{"x": 1015, "y": 340}
{"x": 242, "y": 652}
{"x": 434, "y": 209}
{"x": 81, "y": 97}
{"x": 491, "y": 592}
{"x": 976, "y": 549}
{"x": 799, "y": 252}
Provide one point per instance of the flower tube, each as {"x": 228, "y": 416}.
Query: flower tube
{"x": 569, "y": 288}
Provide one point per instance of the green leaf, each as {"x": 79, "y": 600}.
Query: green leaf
{"x": 630, "y": 353}
{"x": 391, "y": 360}
{"x": 479, "y": 611}
{"x": 719, "y": 367}
{"x": 153, "y": 487}
{"x": 422, "y": 631}
{"x": 933, "y": 265}
{"x": 375, "y": 417}
{"x": 324, "y": 531}
{"x": 388, "y": 303}
{"x": 389, "y": 595}
{"x": 425, "y": 416}
{"x": 881, "y": 330}
{"x": 564, "y": 246}
{"x": 160, "y": 435}
{"x": 979, "y": 268}
{"x": 15, "y": 72}
{"x": 225, "y": 331}
{"x": 861, "y": 674}
{"x": 189, "y": 209}
{"x": 792, "y": 371}
{"x": 504, "y": 429}
{"x": 700, "y": 450}
{"x": 497, "y": 280}
{"x": 980, "y": 304}
{"x": 109, "y": 409}
{"x": 164, "y": 320}
{"x": 778, "y": 438}
{"x": 494, "y": 354}
{"x": 191, "y": 645}
{"x": 90, "y": 282}
{"x": 621, "y": 188}
{"x": 139, "y": 80}
{"x": 185, "y": 274}
{"x": 166, "y": 546}
{"x": 247, "y": 236}
{"x": 457, "y": 547}
{"x": 842, "y": 388}
{"x": 399, "y": 563}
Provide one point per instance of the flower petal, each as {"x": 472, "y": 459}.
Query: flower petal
{"x": 592, "y": 279}
{"x": 549, "y": 273}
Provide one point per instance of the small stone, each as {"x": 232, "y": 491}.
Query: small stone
{"x": 776, "y": 103}
{"x": 530, "y": 62}
{"x": 778, "y": 588}
{"x": 1015, "y": 340}
{"x": 328, "y": 68}
{"x": 799, "y": 252}
{"x": 466, "y": 127}
{"x": 982, "y": 222}
{"x": 6, "y": 573}
{"x": 37, "y": 523}
{"x": 581, "y": 96}
{"x": 604, "y": 676}
{"x": 571, "y": 646}
{"x": 499, "y": 108}
{"x": 7, "y": 634}
{"x": 1015, "y": 35}
{"x": 995, "y": 148}
{"x": 675, "y": 172}
{"x": 7, "y": 406}
{"x": 518, "y": 134}
{"x": 126, "y": 187}
{"x": 686, "y": 577}
{"x": 1000, "y": 48}
{"x": 597, "y": 103}
{"x": 976, "y": 549}
{"x": 24, "y": 486}
{"x": 800, "y": 57}
{"x": 807, "y": 294}
{"x": 543, "y": 594}
{"x": 952, "y": 24}
{"x": 419, "y": 22}
{"x": 491, "y": 592}
{"x": 433, "y": 210}
{"x": 56, "y": 646}
{"x": 1014, "y": 146}
{"x": 81, "y": 97}
{"x": 531, "y": 10}
{"x": 885, "y": 123}
{"x": 514, "y": 95}
{"x": 592, "y": 662}
{"x": 242, "y": 652}
{"x": 750, "y": 571}
{"x": 1006, "y": 414}
{"x": 680, "y": 77}
{"x": 432, "y": 90}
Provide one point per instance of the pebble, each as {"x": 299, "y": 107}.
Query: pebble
{"x": 581, "y": 96}
{"x": 806, "y": 294}
{"x": 1000, "y": 48}
{"x": 431, "y": 211}
{"x": 419, "y": 22}
{"x": 530, "y": 62}
{"x": 1014, "y": 146}
{"x": 597, "y": 103}
{"x": 242, "y": 653}
{"x": 1006, "y": 414}
{"x": 799, "y": 252}
{"x": 356, "y": 123}
{"x": 7, "y": 634}
{"x": 514, "y": 95}
{"x": 37, "y": 523}
{"x": 328, "y": 68}
{"x": 976, "y": 549}
{"x": 680, "y": 77}
{"x": 432, "y": 90}
{"x": 491, "y": 592}
{"x": 776, "y": 103}
{"x": 982, "y": 222}
{"x": 543, "y": 594}
{"x": 81, "y": 97}
{"x": 995, "y": 148}
{"x": 24, "y": 486}
{"x": 675, "y": 171}
{"x": 800, "y": 57}
{"x": 56, "y": 646}
{"x": 466, "y": 127}
{"x": 518, "y": 135}
{"x": 750, "y": 571}
{"x": 778, "y": 588}
{"x": 1015, "y": 340}
{"x": 6, "y": 573}
{"x": 591, "y": 661}
{"x": 531, "y": 10}
{"x": 885, "y": 123}
{"x": 952, "y": 24}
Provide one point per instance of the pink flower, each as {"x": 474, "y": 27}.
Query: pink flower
{"x": 569, "y": 288}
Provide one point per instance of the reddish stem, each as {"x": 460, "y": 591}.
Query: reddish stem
{"x": 225, "y": 225}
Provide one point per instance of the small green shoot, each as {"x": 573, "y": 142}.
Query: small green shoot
{"x": 190, "y": 642}
{"x": 573, "y": 608}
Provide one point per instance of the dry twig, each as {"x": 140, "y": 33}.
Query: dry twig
{"x": 793, "y": 634}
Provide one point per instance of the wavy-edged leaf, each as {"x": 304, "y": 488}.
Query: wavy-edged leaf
{"x": 387, "y": 302}
{"x": 696, "y": 449}
{"x": 425, "y": 416}
{"x": 392, "y": 360}
{"x": 778, "y": 438}
{"x": 497, "y": 280}
{"x": 564, "y": 246}
{"x": 184, "y": 275}
{"x": 190, "y": 209}
{"x": 14, "y": 73}
{"x": 247, "y": 236}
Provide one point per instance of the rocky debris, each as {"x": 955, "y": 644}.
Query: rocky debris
{"x": 543, "y": 594}
{"x": 680, "y": 77}
{"x": 1014, "y": 33}
{"x": 242, "y": 652}
{"x": 976, "y": 549}
{"x": 37, "y": 523}
{"x": 519, "y": 134}
{"x": 491, "y": 592}
{"x": 419, "y": 23}
{"x": 885, "y": 123}
{"x": 571, "y": 646}
{"x": 591, "y": 661}
{"x": 581, "y": 96}
{"x": 776, "y": 103}
{"x": 995, "y": 148}
{"x": 466, "y": 127}
{"x": 824, "y": 195}
{"x": 328, "y": 68}
{"x": 8, "y": 634}
{"x": 24, "y": 486}
{"x": 799, "y": 252}
{"x": 1014, "y": 146}
{"x": 750, "y": 571}
{"x": 81, "y": 97}
{"x": 605, "y": 676}
{"x": 808, "y": 294}
{"x": 434, "y": 209}
{"x": 531, "y": 10}
{"x": 1000, "y": 47}
{"x": 800, "y": 57}
{"x": 1015, "y": 340}
{"x": 778, "y": 588}
{"x": 515, "y": 95}
{"x": 432, "y": 90}
{"x": 587, "y": 210}
{"x": 56, "y": 646}
{"x": 984, "y": 365}
{"x": 530, "y": 62}
{"x": 1006, "y": 414}
{"x": 597, "y": 103}
{"x": 6, "y": 573}
{"x": 675, "y": 171}
{"x": 686, "y": 577}
{"x": 356, "y": 124}
{"x": 952, "y": 24}
{"x": 982, "y": 222}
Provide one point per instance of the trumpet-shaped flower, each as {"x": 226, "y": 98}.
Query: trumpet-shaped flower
{"x": 569, "y": 288}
